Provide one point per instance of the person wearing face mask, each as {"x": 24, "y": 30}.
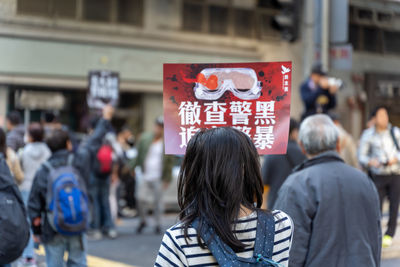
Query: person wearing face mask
{"x": 126, "y": 141}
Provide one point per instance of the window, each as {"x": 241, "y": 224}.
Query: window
{"x": 106, "y": 11}
{"x": 97, "y": 10}
{"x": 193, "y": 14}
{"x": 365, "y": 14}
{"x": 354, "y": 36}
{"x": 218, "y": 19}
{"x": 130, "y": 12}
{"x": 65, "y": 9}
{"x": 392, "y": 41}
{"x": 38, "y": 7}
{"x": 248, "y": 19}
{"x": 384, "y": 17}
{"x": 373, "y": 36}
{"x": 244, "y": 22}
{"x": 372, "y": 39}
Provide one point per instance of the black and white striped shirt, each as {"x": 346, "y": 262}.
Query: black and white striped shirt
{"x": 174, "y": 250}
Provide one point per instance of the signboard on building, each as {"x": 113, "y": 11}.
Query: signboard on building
{"x": 103, "y": 88}
{"x": 37, "y": 100}
{"x": 251, "y": 97}
{"x": 340, "y": 56}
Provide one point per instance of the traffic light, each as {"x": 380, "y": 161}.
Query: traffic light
{"x": 287, "y": 21}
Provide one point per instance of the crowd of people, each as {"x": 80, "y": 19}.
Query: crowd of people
{"x": 325, "y": 198}
{"x": 71, "y": 190}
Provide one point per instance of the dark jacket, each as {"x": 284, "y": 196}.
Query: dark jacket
{"x": 83, "y": 160}
{"x": 15, "y": 137}
{"x": 336, "y": 215}
{"x": 276, "y": 168}
{"x": 316, "y": 99}
{"x": 143, "y": 148}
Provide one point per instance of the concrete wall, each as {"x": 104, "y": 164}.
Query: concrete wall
{"x": 3, "y": 103}
{"x": 152, "y": 108}
{"x": 53, "y": 58}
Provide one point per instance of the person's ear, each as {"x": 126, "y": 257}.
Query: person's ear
{"x": 338, "y": 148}
{"x": 302, "y": 148}
{"x": 69, "y": 145}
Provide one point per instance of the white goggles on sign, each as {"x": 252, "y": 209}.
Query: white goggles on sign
{"x": 212, "y": 83}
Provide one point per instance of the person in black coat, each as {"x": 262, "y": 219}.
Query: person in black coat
{"x": 276, "y": 168}
{"x": 318, "y": 95}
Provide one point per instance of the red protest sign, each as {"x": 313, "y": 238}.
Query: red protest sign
{"x": 251, "y": 97}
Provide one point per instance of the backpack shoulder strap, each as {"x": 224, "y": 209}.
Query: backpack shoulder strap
{"x": 394, "y": 138}
{"x": 221, "y": 252}
{"x": 70, "y": 159}
{"x": 48, "y": 166}
{"x": 265, "y": 234}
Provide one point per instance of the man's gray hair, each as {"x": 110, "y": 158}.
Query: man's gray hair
{"x": 318, "y": 134}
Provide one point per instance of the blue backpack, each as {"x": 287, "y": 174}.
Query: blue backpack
{"x": 263, "y": 247}
{"x": 67, "y": 201}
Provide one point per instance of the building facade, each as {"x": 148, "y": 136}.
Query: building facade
{"x": 51, "y": 45}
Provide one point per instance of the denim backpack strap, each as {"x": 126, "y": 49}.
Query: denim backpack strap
{"x": 265, "y": 234}
{"x": 264, "y": 244}
{"x": 222, "y": 253}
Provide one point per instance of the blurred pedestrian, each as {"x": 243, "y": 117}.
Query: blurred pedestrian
{"x": 127, "y": 142}
{"x": 103, "y": 177}
{"x": 11, "y": 159}
{"x": 347, "y": 145}
{"x": 34, "y": 154}
{"x": 16, "y": 131}
{"x": 335, "y": 207}
{"x": 379, "y": 153}
{"x": 50, "y": 122}
{"x": 156, "y": 170}
{"x": 14, "y": 227}
{"x": 69, "y": 174}
{"x": 220, "y": 195}
{"x": 318, "y": 95}
{"x": 276, "y": 168}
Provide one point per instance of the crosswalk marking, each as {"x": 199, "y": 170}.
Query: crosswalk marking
{"x": 92, "y": 261}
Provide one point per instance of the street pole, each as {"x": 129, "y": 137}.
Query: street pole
{"x": 325, "y": 35}
{"x": 308, "y": 36}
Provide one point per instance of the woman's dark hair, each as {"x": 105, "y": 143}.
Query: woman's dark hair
{"x": 3, "y": 145}
{"x": 220, "y": 174}
{"x": 57, "y": 140}
{"x": 36, "y": 132}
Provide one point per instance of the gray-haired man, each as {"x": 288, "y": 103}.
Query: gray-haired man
{"x": 334, "y": 207}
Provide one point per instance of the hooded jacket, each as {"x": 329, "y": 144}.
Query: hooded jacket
{"x": 15, "y": 138}
{"x": 336, "y": 215}
{"x": 33, "y": 155}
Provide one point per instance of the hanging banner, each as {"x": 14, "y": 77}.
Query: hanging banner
{"x": 251, "y": 97}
